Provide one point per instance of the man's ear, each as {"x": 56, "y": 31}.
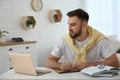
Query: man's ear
{"x": 84, "y": 24}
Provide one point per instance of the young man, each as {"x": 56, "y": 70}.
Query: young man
{"x": 82, "y": 47}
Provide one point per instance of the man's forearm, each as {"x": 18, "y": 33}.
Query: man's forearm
{"x": 53, "y": 64}
{"x": 111, "y": 61}
{"x": 93, "y": 63}
{"x": 104, "y": 63}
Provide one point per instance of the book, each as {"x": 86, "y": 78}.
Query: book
{"x": 101, "y": 70}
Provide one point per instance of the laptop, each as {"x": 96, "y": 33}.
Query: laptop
{"x": 23, "y": 63}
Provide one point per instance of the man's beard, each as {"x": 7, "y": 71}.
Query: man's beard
{"x": 75, "y": 35}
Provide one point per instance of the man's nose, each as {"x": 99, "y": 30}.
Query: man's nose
{"x": 69, "y": 28}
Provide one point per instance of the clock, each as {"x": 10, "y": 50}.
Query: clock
{"x": 37, "y": 5}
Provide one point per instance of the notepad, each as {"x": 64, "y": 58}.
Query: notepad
{"x": 101, "y": 70}
{"x": 61, "y": 72}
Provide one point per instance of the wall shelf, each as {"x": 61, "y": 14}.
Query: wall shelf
{"x": 55, "y": 16}
{"x": 28, "y": 22}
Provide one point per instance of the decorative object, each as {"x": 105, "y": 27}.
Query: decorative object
{"x": 118, "y": 51}
{"x": 18, "y": 39}
{"x": 55, "y": 16}
{"x": 37, "y": 5}
{"x": 28, "y": 22}
{"x": 3, "y": 35}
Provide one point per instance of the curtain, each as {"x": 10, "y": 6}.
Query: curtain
{"x": 104, "y": 15}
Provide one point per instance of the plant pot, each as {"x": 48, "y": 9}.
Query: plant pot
{"x": 30, "y": 26}
{"x": 4, "y": 39}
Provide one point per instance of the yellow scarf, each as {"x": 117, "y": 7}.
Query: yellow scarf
{"x": 95, "y": 37}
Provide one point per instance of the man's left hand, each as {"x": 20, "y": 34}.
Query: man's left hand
{"x": 80, "y": 65}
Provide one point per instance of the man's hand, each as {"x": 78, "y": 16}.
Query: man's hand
{"x": 66, "y": 66}
{"x": 80, "y": 65}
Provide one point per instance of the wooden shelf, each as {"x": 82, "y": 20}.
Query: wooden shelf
{"x": 25, "y": 19}
{"x": 55, "y": 16}
{"x": 16, "y": 43}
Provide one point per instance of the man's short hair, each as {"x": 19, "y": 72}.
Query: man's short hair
{"x": 81, "y": 14}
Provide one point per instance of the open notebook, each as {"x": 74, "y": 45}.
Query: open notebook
{"x": 23, "y": 63}
{"x": 101, "y": 70}
{"x": 60, "y": 71}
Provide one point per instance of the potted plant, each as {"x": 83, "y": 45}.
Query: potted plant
{"x": 29, "y": 23}
{"x": 2, "y": 35}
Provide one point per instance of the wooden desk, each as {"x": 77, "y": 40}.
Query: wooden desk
{"x": 54, "y": 76}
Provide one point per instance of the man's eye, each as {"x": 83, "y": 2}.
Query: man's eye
{"x": 73, "y": 24}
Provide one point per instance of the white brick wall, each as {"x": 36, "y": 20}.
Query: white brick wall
{"x": 45, "y": 33}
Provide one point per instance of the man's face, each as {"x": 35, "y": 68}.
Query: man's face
{"x": 75, "y": 27}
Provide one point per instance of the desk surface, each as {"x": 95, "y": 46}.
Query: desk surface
{"x": 53, "y": 76}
